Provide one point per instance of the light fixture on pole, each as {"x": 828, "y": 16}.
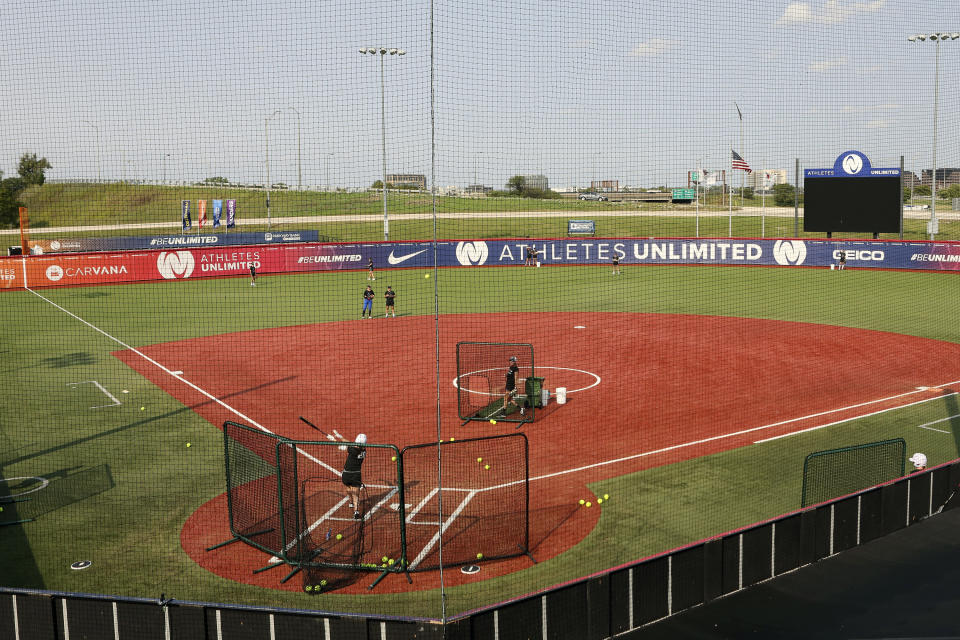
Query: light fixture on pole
{"x": 266, "y": 129}
{"x": 383, "y": 51}
{"x": 936, "y": 38}
{"x": 299, "y": 172}
{"x": 97, "y": 129}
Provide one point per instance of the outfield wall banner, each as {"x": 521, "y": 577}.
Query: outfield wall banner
{"x": 133, "y": 243}
{"x": 180, "y": 263}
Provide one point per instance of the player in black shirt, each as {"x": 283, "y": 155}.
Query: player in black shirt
{"x": 351, "y": 476}
{"x": 511, "y": 385}
{"x": 616, "y": 263}
{"x": 368, "y": 296}
{"x": 389, "y": 295}
{"x": 370, "y": 275}
{"x": 253, "y": 274}
{"x": 529, "y": 261}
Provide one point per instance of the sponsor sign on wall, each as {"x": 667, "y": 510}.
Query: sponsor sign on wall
{"x": 132, "y": 243}
{"x": 175, "y": 263}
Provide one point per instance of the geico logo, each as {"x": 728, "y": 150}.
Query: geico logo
{"x": 864, "y": 256}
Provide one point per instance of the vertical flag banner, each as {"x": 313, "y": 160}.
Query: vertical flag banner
{"x": 740, "y": 163}
{"x": 217, "y": 208}
{"x": 231, "y": 212}
{"x": 185, "y": 214}
{"x": 201, "y": 213}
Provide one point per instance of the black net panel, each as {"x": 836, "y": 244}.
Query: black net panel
{"x": 837, "y": 472}
{"x": 481, "y": 380}
{"x": 481, "y": 508}
{"x": 251, "y": 468}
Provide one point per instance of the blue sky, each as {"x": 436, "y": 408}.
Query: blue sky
{"x": 634, "y": 91}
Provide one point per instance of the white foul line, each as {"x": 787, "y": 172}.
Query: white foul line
{"x": 928, "y": 427}
{"x": 443, "y": 527}
{"x": 99, "y": 386}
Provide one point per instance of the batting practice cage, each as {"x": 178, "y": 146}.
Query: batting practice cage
{"x": 573, "y": 293}
{"x": 482, "y": 372}
{"x": 286, "y": 499}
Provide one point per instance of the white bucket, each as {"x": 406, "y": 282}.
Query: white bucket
{"x": 538, "y": 264}
{"x": 561, "y": 395}
{"x": 831, "y": 266}
{"x": 544, "y": 396}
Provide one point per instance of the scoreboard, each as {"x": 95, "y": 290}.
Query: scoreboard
{"x": 852, "y": 196}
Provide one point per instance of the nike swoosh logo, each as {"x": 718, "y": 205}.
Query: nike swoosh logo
{"x": 398, "y": 259}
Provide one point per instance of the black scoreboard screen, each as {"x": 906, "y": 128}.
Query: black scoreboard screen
{"x": 852, "y": 204}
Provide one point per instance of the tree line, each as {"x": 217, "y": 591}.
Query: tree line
{"x": 30, "y": 171}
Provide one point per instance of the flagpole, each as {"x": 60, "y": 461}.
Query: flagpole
{"x": 763, "y": 206}
{"x": 730, "y": 199}
{"x": 699, "y": 180}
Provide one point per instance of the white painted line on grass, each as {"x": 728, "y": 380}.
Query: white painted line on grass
{"x": 170, "y": 372}
{"x": 99, "y": 386}
{"x": 864, "y": 415}
{"x": 926, "y": 425}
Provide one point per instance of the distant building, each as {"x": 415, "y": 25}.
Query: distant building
{"x": 477, "y": 190}
{"x": 765, "y": 178}
{"x": 417, "y": 180}
{"x": 606, "y": 186}
{"x": 945, "y": 177}
{"x": 536, "y": 181}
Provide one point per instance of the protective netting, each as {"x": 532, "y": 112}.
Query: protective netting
{"x": 210, "y": 189}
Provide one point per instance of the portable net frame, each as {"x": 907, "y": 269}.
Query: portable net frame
{"x": 481, "y": 381}
{"x": 286, "y": 498}
{"x": 837, "y": 472}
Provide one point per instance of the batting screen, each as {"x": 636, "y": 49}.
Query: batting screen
{"x": 838, "y": 472}
{"x": 481, "y": 508}
{"x": 482, "y": 381}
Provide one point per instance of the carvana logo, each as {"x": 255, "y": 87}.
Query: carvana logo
{"x": 787, "y": 252}
{"x": 54, "y": 272}
{"x": 175, "y": 264}
{"x": 472, "y": 253}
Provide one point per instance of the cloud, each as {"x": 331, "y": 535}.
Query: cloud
{"x": 830, "y": 12}
{"x": 877, "y": 124}
{"x": 826, "y": 65}
{"x": 654, "y": 47}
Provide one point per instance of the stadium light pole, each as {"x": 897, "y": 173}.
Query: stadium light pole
{"x": 299, "y": 173}
{"x": 163, "y": 164}
{"x": 97, "y": 129}
{"x": 266, "y": 129}
{"x": 935, "y": 38}
{"x": 383, "y": 51}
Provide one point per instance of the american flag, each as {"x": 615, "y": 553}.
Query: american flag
{"x": 740, "y": 163}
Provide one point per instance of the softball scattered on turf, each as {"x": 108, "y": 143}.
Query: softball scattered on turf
{"x": 486, "y": 466}
{"x": 339, "y": 536}
{"x": 393, "y": 458}
{"x": 143, "y": 408}
{"x": 479, "y": 459}
{"x": 582, "y": 501}
{"x": 589, "y": 504}
{"x": 452, "y": 439}
{"x": 323, "y": 583}
{"x": 307, "y": 587}
{"x": 599, "y": 500}
{"x": 188, "y": 444}
{"x": 384, "y": 559}
{"x": 606, "y": 496}
{"x": 479, "y": 556}
{"x": 492, "y": 421}
{"x": 390, "y": 561}
{"x": 426, "y": 276}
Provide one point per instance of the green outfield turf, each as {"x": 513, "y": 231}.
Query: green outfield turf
{"x": 133, "y": 482}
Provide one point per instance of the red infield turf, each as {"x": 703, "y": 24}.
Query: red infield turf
{"x": 670, "y": 388}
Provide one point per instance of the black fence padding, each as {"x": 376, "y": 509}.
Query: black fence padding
{"x": 756, "y": 554}
{"x": 90, "y": 618}
{"x": 6, "y": 615}
{"x": 808, "y": 535}
{"x": 293, "y": 627}
{"x": 619, "y": 601}
{"x": 650, "y": 591}
{"x": 482, "y": 625}
{"x": 140, "y": 621}
{"x": 894, "y": 507}
{"x": 786, "y": 544}
{"x": 845, "y": 524}
{"x": 35, "y": 616}
{"x": 523, "y": 619}
{"x": 941, "y": 487}
{"x": 240, "y": 624}
{"x": 731, "y": 563}
{"x": 713, "y": 570}
{"x": 687, "y": 578}
{"x": 350, "y": 629}
{"x": 187, "y": 623}
{"x": 954, "y": 502}
{"x": 919, "y": 497}
{"x": 871, "y": 515}
{"x": 567, "y": 613}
